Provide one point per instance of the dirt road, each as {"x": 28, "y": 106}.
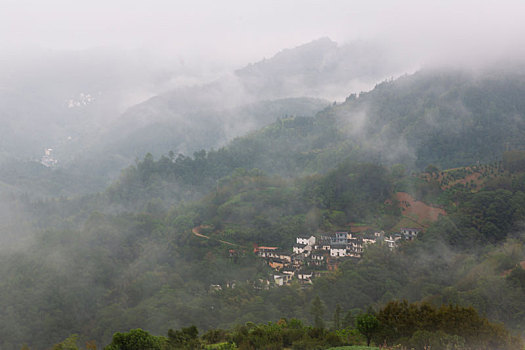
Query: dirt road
{"x": 196, "y": 232}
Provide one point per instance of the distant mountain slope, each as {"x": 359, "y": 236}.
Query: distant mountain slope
{"x": 187, "y": 131}
{"x": 295, "y": 81}
{"x": 71, "y": 102}
{"x": 447, "y": 118}
{"x": 322, "y": 68}
{"x": 59, "y": 99}
{"x": 183, "y": 132}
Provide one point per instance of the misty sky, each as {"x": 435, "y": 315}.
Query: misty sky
{"x": 239, "y": 32}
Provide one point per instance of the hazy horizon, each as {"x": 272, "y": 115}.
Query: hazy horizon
{"x": 222, "y": 36}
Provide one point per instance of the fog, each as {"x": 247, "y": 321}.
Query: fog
{"x": 87, "y": 89}
{"x": 233, "y": 33}
{"x": 61, "y": 56}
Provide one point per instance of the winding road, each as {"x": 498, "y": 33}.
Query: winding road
{"x": 196, "y": 232}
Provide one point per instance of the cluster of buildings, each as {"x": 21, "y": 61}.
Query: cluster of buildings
{"x": 312, "y": 254}
{"x": 81, "y": 100}
{"x": 47, "y": 159}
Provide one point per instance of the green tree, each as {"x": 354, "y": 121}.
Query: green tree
{"x": 136, "y": 339}
{"x": 70, "y": 343}
{"x": 186, "y": 338}
{"x": 368, "y": 325}
{"x": 348, "y": 320}
{"x": 514, "y": 161}
{"x": 317, "y": 311}
{"x": 337, "y": 317}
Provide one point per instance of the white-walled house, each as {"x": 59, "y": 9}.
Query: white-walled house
{"x": 367, "y": 241}
{"x": 298, "y": 248}
{"x": 390, "y": 242}
{"x": 338, "y": 250}
{"x": 306, "y": 240}
{"x": 305, "y": 275}
{"x": 282, "y": 280}
{"x": 289, "y": 271}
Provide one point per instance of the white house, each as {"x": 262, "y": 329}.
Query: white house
{"x": 298, "y": 248}
{"x": 307, "y": 250}
{"x": 276, "y": 254}
{"x": 306, "y": 240}
{"x": 281, "y": 280}
{"x": 289, "y": 271}
{"x": 367, "y": 241}
{"x": 305, "y": 275}
{"x": 338, "y": 250}
{"x": 391, "y": 242}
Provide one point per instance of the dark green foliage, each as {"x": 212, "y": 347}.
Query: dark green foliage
{"x": 317, "y": 312}
{"x": 368, "y": 325}
{"x": 287, "y": 147}
{"x": 448, "y": 119}
{"x": 125, "y": 268}
{"x": 136, "y": 339}
{"x": 514, "y": 161}
{"x": 213, "y": 336}
{"x": 516, "y": 278}
{"x": 484, "y": 216}
{"x": 356, "y": 189}
{"x": 337, "y": 317}
{"x": 283, "y": 334}
{"x": 68, "y": 344}
{"x": 186, "y": 338}
{"x": 437, "y": 340}
{"x": 395, "y": 324}
{"x": 128, "y": 258}
{"x": 430, "y": 117}
{"x": 421, "y": 325}
{"x": 348, "y": 320}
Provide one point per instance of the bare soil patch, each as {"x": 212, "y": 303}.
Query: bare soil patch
{"x": 418, "y": 211}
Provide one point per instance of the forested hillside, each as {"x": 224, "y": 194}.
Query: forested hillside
{"x": 203, "y": 115}
{"x": 129, "y": 257}
{"x": 112, "y": 272}
{"x": 442, "y": 117}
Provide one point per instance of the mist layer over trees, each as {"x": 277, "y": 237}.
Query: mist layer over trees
{"x": 160, "y": 191}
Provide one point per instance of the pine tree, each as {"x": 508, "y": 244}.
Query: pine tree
{"x": 337, "y": 317}
{"x": 317, "y": 311}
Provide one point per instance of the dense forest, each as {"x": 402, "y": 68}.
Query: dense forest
{"x": 409, "y": 325}
{"x": 126, "y": 262}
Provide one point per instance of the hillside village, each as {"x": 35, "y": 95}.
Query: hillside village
{"x": 311, "y": 255}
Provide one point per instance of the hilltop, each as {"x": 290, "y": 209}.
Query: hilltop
{"x": 298, "y": 81}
